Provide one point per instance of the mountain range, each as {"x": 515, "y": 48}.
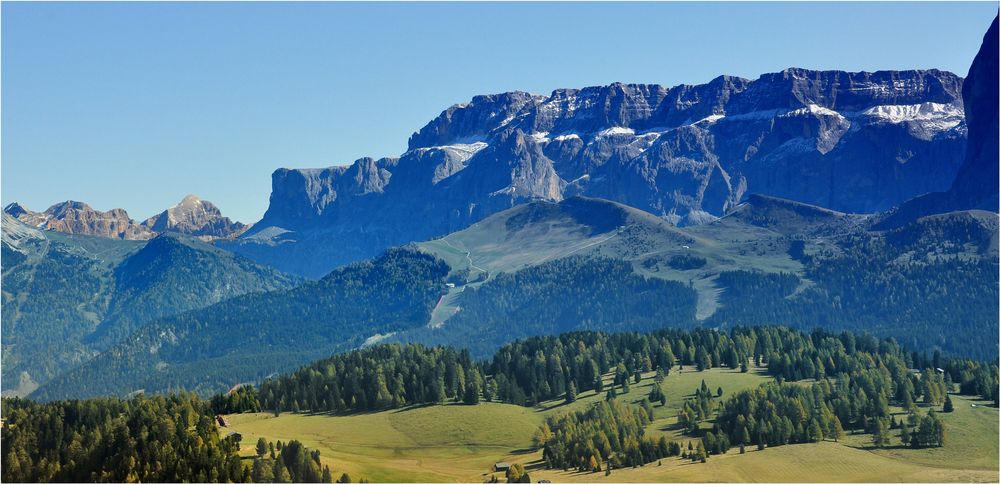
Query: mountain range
{"x": 847, "y": 201}
{"x": 855, "y": 142}
{"x": 192, "y": 216}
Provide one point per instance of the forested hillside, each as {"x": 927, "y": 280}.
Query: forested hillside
{"x": 66, "y": 297}
{"x": 931, "y": 284}
{"x": 568, "y": 294}
{"x": 247, "y": 338}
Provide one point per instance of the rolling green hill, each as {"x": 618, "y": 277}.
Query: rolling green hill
{"x": 931, "y": 283}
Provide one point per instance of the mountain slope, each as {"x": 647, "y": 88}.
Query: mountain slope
{"x": 251, "y": 336}
{"x": 173, "y": 273}
{"x": 584, "y": 263}
{"x": 854, "y": 142}
{"x": 65, "y": 296}
{"x": 768, "y": 261}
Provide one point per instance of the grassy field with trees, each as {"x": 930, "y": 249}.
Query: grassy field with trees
{"x": 456, "y": 442}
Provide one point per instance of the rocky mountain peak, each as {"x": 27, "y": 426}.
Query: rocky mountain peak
{"x": 74, "y": 217}
{"x": 197, "y": 217}
{"x": 192, "y": 216}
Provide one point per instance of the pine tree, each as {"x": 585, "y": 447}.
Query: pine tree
{"x": 280, "y": 472}
{"x": 904, "y": 435}
{"x": 261, "y": 447}
{"x": 948, "y": 406}
{"x": 881, "y": 435}
{"x": 471, "y": 393}
{"x": 838, "y": 429}
{"x": 815, "y": 431}
{"x": 571, "y": 392}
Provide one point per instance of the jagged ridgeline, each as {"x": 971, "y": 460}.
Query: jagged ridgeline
{"x": 855, "y": 142}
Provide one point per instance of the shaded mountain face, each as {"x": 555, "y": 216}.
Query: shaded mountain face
{"x": 252, "y": 336}
{"x": 66, "y": 297}
{"x": 976, "y": 185}
{"x": 192, "y": 216}
{"x": 853, "y": 142}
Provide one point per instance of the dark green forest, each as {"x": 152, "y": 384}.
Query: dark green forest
{"x": 66, "y": 297}
{"x": 870, "y": 285}
{"x": 605, "y": 295}
{"x": 249, "y": 337}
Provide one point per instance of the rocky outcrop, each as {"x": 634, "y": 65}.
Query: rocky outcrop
{"x": 976, "y": 185}
{"x": 852, "y": 142}
{"x": 79, "y": 218}
{"x": 192, "y": 216}
{"x": 197, "y": 217}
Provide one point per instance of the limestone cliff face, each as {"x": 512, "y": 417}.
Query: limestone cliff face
{"x": 976, "y": 184}
{"x": 853, "y": 142}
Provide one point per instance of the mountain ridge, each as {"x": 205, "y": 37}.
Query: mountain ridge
{"x": 686, "y": 154}
{"x": 191, "y": 216}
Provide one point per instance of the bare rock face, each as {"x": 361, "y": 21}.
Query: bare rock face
{"x": 976, "y": 185}
{"x": 79, "y": 218}
{"x": 852, "y": 142}
{"x": 197, "y": 217}
{"x": 192, "y": 216}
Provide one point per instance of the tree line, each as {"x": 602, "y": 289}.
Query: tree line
{"x": 543, "y": 368}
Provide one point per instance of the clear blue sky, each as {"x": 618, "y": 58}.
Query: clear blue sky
{"x": 134, "y": 105}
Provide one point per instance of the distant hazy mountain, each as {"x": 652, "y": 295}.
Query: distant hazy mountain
{"x": 854, "y": 142}
{"x": 66, "y": 297}
{"x": 192, "y": 216}
{"x": 71, "y": 217}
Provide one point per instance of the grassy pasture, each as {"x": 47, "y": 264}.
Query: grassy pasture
{"x": 453, "y": 442}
